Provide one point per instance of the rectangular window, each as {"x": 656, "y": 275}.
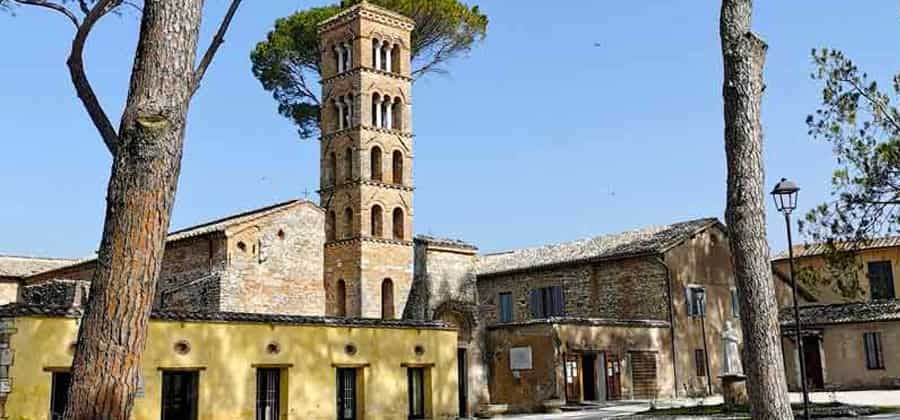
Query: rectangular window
{"x": 416, "y": 391}
{"x": 59, "y": 394}
{"x": 700, "y": 362}
{"x": 268, "y": 394}
{"x": 881, "y": 280}
{"x": 874, "y": 354}
{"x": 179, "y": 395}
{"x": 506, "y": 310}
{"x": 547, "y": 302}
{"x": 696, "y": 301}
{"x": 735, "y": 304}
{"x": 346, "y": 394}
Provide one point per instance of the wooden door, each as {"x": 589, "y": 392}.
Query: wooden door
{"x": 613, "y": 377}
{"x": 573, "y": 377}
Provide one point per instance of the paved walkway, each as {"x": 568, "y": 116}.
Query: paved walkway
{"x": 631, "y": 408}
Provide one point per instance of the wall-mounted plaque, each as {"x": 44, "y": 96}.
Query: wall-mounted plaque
{"x": 520, "y": 358}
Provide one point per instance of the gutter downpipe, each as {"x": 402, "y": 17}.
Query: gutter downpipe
{"x": 660, "y": 259}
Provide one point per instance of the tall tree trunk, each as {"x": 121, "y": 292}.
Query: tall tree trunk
{"x": 140, "y": 196}
{"x": 744, "y": 56}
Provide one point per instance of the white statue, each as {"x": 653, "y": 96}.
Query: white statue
{"x": 731, "y": 355}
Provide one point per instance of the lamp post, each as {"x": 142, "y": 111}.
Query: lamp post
{"x": 785, "y": 195}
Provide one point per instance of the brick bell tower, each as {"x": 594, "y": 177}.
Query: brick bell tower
{"x": 366, "y": 156}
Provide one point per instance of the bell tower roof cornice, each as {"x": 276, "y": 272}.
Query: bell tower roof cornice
{"x": 370, "y": 11}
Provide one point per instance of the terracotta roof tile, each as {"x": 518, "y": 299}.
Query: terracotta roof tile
{"x": 808, "y": 250}
{"x": 16, "y": 310}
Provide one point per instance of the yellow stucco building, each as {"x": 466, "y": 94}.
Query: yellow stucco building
{"x": 234, "y": 366}
{"x": 850, "y": 316}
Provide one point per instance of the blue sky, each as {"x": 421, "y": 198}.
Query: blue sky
{"x": 570, "y": 120}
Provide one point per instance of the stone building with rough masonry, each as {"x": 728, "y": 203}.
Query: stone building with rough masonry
{"x": 267, "y": 260}
{"x": 303, "y": 310}
{"x": 634, "y": 315}
{"x": 849, "y": 313}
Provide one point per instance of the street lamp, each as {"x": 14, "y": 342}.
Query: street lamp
{"x": 785, "y": 195}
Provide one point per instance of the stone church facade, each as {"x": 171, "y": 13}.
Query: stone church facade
{"x": 535, "y": 327}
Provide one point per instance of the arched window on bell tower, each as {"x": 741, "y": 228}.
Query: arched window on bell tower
{"x": 348, "y": 223}
{"x": 375, "y": 164}
{"x": 338, "y": 59}
{"x": 395, "y": 53}
{"x": 397, "y": 166}
{"x": 398, "y": 224}
{"x": 376, "y": 110}
{"x": 387, "y": 299}
{"x": 385, "y": 56}
{"x": 348, "y": 56}
{"x": 376, "y": 54}
{"x": 348, "y": 165}
{"x": 396, "y": 113}
{"x": 340, "y": 298}
{"x": 348, "y": 110}
{"x": 385, "y": 109}
{"x": 331, "y": 169}
{"x": 377, "y": 221}
{"x": 338, "y": 114}
{"x": 331, "y": 226}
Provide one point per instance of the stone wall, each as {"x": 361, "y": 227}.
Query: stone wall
{"x": 57, "y": 293}
{"x": 443, "y": 272}
{"x": 275, "y": 263}
{"x": 624, "y": 289}
{"x": 444, "y": 287}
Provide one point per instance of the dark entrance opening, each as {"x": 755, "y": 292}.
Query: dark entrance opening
{"x": 813, "y": 362}
{"x": 346, "y": 394}
{"x": 589, "y": 381}
{"x": 59, "y": 394}
{"x": 416, "y": 390}
{"x": 179, "y": 395}
{"x": 463, "y": 382}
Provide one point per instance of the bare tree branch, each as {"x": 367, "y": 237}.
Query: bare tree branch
{"x": 52, "y": 6}
{"x": 82, "y": 4}
{"x": 217, "y": 41}
{"x": 79, "y": 78}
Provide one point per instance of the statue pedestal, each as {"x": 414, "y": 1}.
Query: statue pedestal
{"x": 734, "y": 390}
